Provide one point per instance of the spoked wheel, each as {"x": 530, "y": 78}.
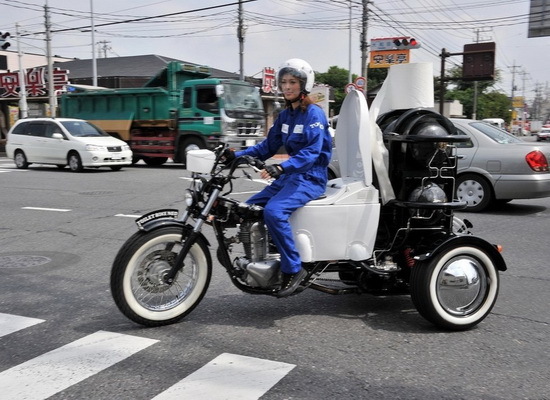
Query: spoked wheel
{"x": 137, "y": 277}
{"x": 457, "y": 288}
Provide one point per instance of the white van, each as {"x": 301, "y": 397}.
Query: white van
{"x": 65, "y": 141}
{"x": 498, "y": 122}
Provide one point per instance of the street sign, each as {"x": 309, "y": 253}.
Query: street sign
{"x": 361, "y": 82}
{"x": 478, "y": 63}
{"x": 387, "y": 58}
{"x": 349, "y": 87}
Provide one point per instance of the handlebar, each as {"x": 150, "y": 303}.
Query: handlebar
{"x": 254, "y": 162}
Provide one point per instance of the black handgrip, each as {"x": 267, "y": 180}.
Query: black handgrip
{"x": 253, "y": 161}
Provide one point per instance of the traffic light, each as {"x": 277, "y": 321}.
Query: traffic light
{"x": 406, "y": 43}
{"x": 4, "y": 44}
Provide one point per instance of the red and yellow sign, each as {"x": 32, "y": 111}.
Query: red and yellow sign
{"x": 518, "y": 102}
{"x": 387, "y": 58}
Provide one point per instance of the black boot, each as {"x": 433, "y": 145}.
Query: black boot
{"x": 291, "y": 283}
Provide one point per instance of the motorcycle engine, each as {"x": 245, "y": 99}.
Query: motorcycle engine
{"x": 260, "y": 267}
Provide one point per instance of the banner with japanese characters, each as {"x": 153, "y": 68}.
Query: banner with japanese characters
{"x": 269, "y": 84}
{"x": 36, "y": 82}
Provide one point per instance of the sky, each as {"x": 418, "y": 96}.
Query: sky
{"x": 320, "y": 31}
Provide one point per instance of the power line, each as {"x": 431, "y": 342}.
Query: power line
{"x": 80, "y": 28}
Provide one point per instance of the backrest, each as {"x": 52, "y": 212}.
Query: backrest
{"x": 353, "y": 142}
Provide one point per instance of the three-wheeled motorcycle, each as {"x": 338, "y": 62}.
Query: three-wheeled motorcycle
{"x": 351, "y": 240}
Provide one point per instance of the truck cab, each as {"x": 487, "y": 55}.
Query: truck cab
{"x": 219, "y": 111}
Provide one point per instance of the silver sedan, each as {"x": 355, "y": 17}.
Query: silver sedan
{"x": 495, "y": 166}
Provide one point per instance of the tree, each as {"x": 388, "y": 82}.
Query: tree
{"x": 490, "y": 102}
{"x": 337, "y": 78}
{"x": 376, "y": 76}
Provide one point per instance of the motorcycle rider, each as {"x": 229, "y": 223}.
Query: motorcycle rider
{"x": 302, "y": 128}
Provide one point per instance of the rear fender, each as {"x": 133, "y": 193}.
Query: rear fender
{"x": 467, "y": 240}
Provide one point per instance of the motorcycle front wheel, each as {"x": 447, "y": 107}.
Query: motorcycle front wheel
{"x": 457, "y": 288}
{"x": 137, "y": 277}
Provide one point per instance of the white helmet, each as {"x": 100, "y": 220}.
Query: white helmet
{"x": 299, "y": 69}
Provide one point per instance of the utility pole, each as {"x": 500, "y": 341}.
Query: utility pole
{"x": 513, "y": 92}
{"x": 537, "y": 102}
{"x": 23, "y": 107}
{"x": 94, "y": 61}
{"x": 523, "y": 78}
{"x": 350, "y": 80}
{"x": 51, "y": 92}
{"x": 474, "y": 111}
{"x": 364, "y": 43}
{"x": 240, "y": 35}
{"x": 104, "y": 46}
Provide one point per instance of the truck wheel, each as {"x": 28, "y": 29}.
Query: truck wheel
{"x": 155, "y": 161}
{"x": 191, "y": 143}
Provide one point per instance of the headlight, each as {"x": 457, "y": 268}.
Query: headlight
{"x": 188, "y": 197}
{"x": 126, "y": 147}
{"x": 95, "y": 147}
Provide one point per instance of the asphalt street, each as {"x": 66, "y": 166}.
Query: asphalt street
{"x": 62, "y": 337}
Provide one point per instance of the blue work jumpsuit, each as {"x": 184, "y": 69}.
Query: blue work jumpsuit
{"x": 307, "y": 140}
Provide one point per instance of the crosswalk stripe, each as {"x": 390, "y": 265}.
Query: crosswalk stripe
{"x": 229, "y": 377}
{"x": 12, "y": 323}
{"x": 52, "y": 372}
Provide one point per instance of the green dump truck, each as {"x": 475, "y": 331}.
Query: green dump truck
{"x": 179, "y": 109}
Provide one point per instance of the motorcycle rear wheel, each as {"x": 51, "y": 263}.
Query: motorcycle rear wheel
{"x": 137, "y": 283}
{"x": 457, "y": 288}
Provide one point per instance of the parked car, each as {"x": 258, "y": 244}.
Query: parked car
{"x": 65, "y": 141}
{"x": 543, "y": 134}
{"x": 493, "y": 166}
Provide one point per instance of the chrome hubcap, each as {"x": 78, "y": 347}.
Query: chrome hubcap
{"x": 462, "y": 286}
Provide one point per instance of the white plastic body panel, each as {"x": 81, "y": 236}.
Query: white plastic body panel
{"x": 343, "y": 224}
{"x": 200, "y": 160}
{"x": 335, "y": 232}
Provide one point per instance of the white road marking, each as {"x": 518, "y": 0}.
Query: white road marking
{"x": 127, "y": 215}
{"x": 13, "y": 323}
{"x": 46, "y": 209}
{"x": 229, "y": 377}
{"x": 52, "y": 372}
{"x": 3, "y": 169}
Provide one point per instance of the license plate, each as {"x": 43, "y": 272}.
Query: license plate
{"x": 116, "y": 157}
